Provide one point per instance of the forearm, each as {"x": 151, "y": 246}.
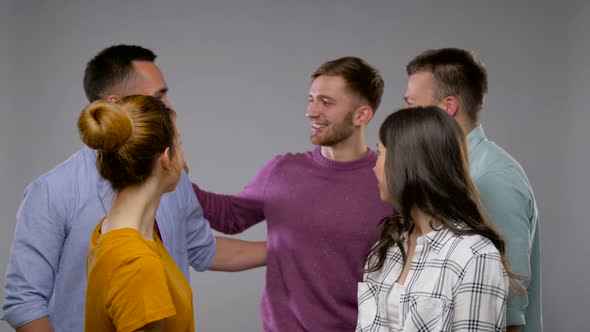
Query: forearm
{"x": 38, "y": 325}
{"x": 237, "y": 255}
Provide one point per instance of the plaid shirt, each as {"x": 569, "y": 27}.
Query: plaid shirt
{"x": 455, "y": 283}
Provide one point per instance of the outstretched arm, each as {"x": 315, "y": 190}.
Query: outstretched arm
{"x": 232, "y": 214}
{"x": 229, "y": 214}
{"x": 237, "y": 255}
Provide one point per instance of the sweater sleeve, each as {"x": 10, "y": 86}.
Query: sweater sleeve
{"x": 232, "y": 214}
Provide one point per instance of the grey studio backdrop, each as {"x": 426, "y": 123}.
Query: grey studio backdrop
{"x": 239, "y": 74}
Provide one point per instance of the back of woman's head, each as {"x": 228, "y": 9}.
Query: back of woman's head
{"x": 427, "y": 167}
{"x": 129, "y": 135}
{"x": 426, "y": 163}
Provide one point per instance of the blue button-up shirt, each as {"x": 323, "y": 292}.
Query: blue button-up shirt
{"x": 46, "y": 274}
{"x": 509, "y": 201}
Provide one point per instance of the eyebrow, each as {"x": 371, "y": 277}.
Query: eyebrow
{"x": 322, "y": 97}
{"x": 163, "y": 90}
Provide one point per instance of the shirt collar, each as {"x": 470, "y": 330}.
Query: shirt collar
{"x": 437, "y": 238}
{"x": 475, "y": 137}
{"x": 105, "y": 191}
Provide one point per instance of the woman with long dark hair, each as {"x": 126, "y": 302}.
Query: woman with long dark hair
{"x": 439, "y": 263}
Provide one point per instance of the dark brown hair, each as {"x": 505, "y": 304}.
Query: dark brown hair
{"x": 111, "y": 67}
{"x": 360, "y": 78}
{"x": 129, "y": 135}
{"x": 457, "y": 73}
{"x": 427, "y": 167}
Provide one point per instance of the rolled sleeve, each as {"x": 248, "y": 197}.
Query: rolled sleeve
{"x": 509, "y": 204}
{"x": 34, "y": 257}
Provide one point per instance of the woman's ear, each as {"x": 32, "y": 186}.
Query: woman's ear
{"x": 165, "y": 160}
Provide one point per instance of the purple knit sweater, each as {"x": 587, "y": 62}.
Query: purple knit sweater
{"x": 322, "y": 220}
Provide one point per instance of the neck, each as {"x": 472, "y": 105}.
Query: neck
{"x": 351, "y": 149}
{"x": 466, "y": 124}
{"x": 422, "y": 222}
{"x": 135, "y": 207}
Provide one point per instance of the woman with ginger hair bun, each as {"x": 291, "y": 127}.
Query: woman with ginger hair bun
{"x": 133, "y": 283}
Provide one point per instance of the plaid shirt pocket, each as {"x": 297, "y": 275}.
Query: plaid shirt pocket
{"x": 426, "y": 314}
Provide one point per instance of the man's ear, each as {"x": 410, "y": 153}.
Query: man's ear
{"x": 450, "y": 105}
{"x": 363, "y": 115}
{"x": 113, "y": 98}
{"x": 164, "y": 159}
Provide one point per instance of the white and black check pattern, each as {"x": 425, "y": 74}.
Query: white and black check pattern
{"x": 455, "y": 283}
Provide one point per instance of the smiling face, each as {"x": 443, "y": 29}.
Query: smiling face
{"x": 331, "y": 109}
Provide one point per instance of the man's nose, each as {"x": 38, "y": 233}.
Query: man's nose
{"x": 313, "y": 111}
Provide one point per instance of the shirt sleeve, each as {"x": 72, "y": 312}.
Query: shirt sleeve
{"x": 480, "y": 300}
{"x": 509, "y": 204}
{"x": 232, "y": 214}
{"x": 138, "y": 294}
{"x": 34, "y": 256}
{"x": 199, "y": 238}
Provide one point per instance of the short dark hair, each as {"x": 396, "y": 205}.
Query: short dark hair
{"x": 456, "y": 72}
{"x": 112, "y": 66}
{"x": 360, "y": 77}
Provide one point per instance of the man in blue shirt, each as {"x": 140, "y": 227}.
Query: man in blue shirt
{"x": 455, "y": 80}
{"x": 46, "y": 275}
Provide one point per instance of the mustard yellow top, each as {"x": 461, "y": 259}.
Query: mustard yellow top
{"x": 133, "y": 281}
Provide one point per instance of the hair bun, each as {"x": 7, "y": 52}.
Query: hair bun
{"x": 105, "y": 126}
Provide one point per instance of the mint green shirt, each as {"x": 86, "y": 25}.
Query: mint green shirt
{"x": 509, "y": 201}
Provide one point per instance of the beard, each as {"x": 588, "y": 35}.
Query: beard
{"x": 335, "y": 132}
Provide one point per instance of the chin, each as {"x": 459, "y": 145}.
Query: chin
{"x": 385, "y": 197}
{"x": 315, "y": 140}
{"x": 172, "y": 188}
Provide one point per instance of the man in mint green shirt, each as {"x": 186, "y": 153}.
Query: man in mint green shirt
{"x": 455, "y": 80}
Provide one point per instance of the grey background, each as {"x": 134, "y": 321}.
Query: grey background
{"x": 239, "y": 76}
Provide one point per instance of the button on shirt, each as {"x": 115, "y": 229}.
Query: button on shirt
{"x": 455, "y": 283}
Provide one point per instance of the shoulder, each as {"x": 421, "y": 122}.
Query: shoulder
{"x": 286, "y": 161}
{"x": 120, "y": 249}
{"x": 463, "y": 249}
{"x": 291, "y": 157}
{"x": 72, "y": 180}
{"x": 492, "y": 160}
{"x": 494, "y": 170}
{"x": 79, "y": 167}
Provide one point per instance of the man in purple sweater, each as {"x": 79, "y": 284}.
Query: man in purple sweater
{"x": 322, "y": 207}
